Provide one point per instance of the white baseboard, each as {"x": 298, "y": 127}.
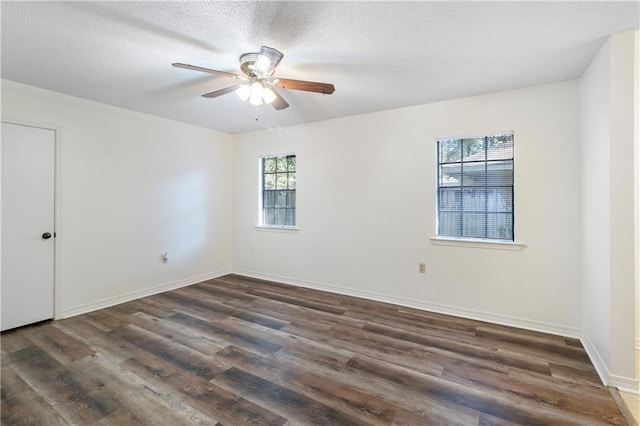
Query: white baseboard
{"x": 127, "y": 297}
{"x": 524, "y": 323}
{"x": 624, "y": 384}
{"x": 596, "y": 359}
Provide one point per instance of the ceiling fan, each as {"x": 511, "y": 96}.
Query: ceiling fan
{"x": 258, "y": 85}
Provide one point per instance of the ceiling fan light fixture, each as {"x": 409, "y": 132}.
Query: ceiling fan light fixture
{"x": 244, "y": 92}
{"x": 256, "y": 93}
{"x": 267, "y": 95}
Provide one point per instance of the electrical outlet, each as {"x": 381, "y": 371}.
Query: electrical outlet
{"x": 422, "y": 268}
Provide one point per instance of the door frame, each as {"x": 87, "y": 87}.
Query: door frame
{"x": 57, "y": 228}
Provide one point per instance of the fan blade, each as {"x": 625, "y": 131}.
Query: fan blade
{"x": 208, "y": 70}
{"x": 221, "y": 92}
{"x": 268, "y": 60}
{"x": 307, "y": 86}
{"x": 279, "y": 103}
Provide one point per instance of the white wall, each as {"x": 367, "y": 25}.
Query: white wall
{"x": 608, "y": 117}
{"x": 596, "y": 251}
{"x": 366, "y": 209}
{"x": 130, "y": 187}
{"x": 622, "y": 202}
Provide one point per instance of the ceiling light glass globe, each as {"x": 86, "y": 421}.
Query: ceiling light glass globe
{"x": 256, "y": 94}
{"x": 244, "y": 92}
{"x": 267, "y": 95}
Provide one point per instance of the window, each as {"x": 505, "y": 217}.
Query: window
{"x": 475, "y": 187}
{"x": 278, "y": 190}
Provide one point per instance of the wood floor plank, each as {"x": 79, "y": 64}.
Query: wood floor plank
{"x": 370, "y": 408}
{"x": 499, "y": 404}
{"x": 206, "y": 367}
{"x": 297, "y": 407}
{"x": 202, "y": 395}
{"x": 323, "y": 307}
{"x": 176, "y": 332}
{"x": 237, "y": 337}
{"x": 22, "y": 404}
{"x": 236, "y": 350}
{"x": 421, "y": 406}
{"x": 14, "y": 340}
{"x": 144, "y": 400}
{"x": 76, "y": 398}
{"x": 461, "y": 349}
{"x": 58, "y": 344}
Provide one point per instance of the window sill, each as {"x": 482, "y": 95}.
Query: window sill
{"x": 472, "y": 243}
{"x": 277, "y": 228}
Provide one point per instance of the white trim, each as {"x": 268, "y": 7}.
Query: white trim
{"x": 524, "y": 323}
{"x": 277, "y": 228}
{"x": 596, "y": 359}
{"x": 475, "y": 243}
{"x": 127, "y": 297}
{"x": 624, "y": 384}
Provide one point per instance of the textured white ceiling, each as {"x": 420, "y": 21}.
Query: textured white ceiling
{"x": 379, "y": 55}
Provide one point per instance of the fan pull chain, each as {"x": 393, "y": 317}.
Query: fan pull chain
{"x": 256, "y": 112}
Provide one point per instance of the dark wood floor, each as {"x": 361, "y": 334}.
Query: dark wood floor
{"x": 238, "y": 351}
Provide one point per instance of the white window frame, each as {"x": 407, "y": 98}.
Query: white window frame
{"x": 487, "y": 243}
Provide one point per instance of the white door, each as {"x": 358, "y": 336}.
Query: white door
{"x": 27, "y": 155}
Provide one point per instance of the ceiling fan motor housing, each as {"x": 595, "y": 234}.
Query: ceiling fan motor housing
{"x": 248, "y": 64}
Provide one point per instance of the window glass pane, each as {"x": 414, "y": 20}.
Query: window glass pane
{"x": 270, "y": 181}
{"x": 268, "y": 216}
{"x": 473, "y": 174}
{"x": 450, "y": 199}
{"x": 499, "y": 200}
{"x": 269, "y": 198}
{"x": 291, "y": 163}
{"x": 281, "y": 198}
{"x": 291, "y": 184}
{"x": 473, "y": 225}
{"x": 449, "y": 150}
{"x": 450, "y": 224}
{"x": 291, "y": 199}
{"x": 281, "y": 217}
{"x": 450, "y": 175}
{"x": 290, "y": 217}
{"x": 500, "y": 173}
{"x": 281, "y": 181}
{"x": 500, "y": 226}
{"x": 500, "y": 147}
{"x": 269, "y": 165}
{"x": 473, "y": 200}
{"x": 283, "y": 164}
{"x": 473, "y": 149}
